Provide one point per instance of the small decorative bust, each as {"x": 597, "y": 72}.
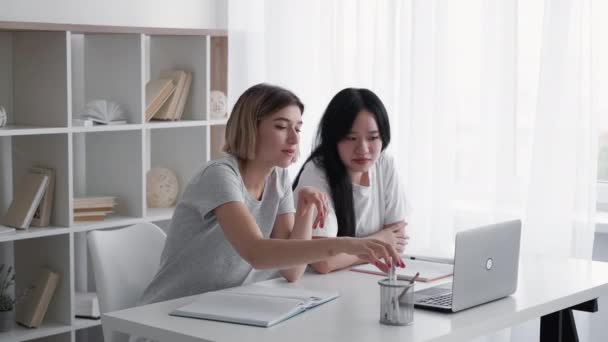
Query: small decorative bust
{"x": 219, "y": 104}
{"x": 3, "y": 117}
{"x": 162, "y": 188}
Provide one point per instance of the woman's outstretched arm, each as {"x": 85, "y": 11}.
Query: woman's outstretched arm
{"x": 242, "y": 232}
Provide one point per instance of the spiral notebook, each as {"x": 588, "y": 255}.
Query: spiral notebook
{"x": 256, "y": 305}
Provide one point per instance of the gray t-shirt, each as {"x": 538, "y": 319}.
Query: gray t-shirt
{"x": 197, "y": 256}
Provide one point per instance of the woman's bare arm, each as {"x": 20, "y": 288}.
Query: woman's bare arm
{"x": 242, "y": 232}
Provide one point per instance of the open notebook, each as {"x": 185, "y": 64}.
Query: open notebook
{"x": 429, "y": 271}
{"x": 253, "y": 304}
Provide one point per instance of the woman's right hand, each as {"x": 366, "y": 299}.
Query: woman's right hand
{"x": 310, "y": 197}
{"x": 374, "y": 251}
{"x": 393, "y": 234}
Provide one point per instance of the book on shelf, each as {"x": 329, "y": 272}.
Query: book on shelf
{"x": 31, "y": 311}
{"x": 106, "y": 210}
{"x": 42, "y": 215}
{"x": 94, "y": 202}
{"x": 173, "y": 107}
{"x": 168, "y": 109}
{"x": 89, "y": 218}
{"x": 88, "y": 209}
{"x": 254, "y": 304}
{"x": 428, "y": 270}
{"x": 87, "y": 305}
{"x": 183, "y": 98}
{"x": 101, "y": 112}
{"x": 157, "y": 92}
{"x": 27, "y": 197}
{"x": 90, "y": 215}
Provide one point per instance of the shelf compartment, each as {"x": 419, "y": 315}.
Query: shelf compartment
{"x": 187, "y": 53}
{"x": 52, "y": 252}
{"x": 181, "y": 150}
{"x": 33, "y": 69}
{"x": 110, "y": 164}
{"x": 23, "y": 152}
{"x": 108, "y": 67}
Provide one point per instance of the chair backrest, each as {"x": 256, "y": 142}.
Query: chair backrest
{"x": 124, "y": 262}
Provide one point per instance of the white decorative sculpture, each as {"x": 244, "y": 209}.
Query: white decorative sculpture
{"x": 162, "y": 188}
{"x": 3, "y": 117}
{"x": 219, "y": 105}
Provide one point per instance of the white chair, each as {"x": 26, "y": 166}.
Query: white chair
{"x": 124, "y": 262}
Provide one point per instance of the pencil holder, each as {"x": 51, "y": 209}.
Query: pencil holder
{"x": 396, "y": 302}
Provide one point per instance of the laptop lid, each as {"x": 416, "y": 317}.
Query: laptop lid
{"x": 486, "y": 262}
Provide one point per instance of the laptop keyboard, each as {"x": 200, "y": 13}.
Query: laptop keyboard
{"x": 444, "y": 300}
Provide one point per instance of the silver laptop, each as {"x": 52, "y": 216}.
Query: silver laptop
{"x": 486, "y": 261}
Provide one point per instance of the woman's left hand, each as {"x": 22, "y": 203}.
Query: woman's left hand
{"x": 310, "y": 197}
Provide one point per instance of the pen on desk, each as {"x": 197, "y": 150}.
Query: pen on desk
{"x": 430, "y": 259}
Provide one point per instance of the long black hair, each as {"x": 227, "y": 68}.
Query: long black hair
{"x": 335, "y": 125}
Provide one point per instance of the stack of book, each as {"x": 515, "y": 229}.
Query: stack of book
{"x": 166, "y": 96}
{"x": 33, "y": 200}
{"x": 93, "y": 208}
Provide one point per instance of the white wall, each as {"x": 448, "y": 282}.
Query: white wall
{"x": 153, "y": 13}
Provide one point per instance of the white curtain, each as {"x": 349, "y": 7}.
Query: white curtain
{"x": 490, "y": 101}
{"x": 493, "y": 103}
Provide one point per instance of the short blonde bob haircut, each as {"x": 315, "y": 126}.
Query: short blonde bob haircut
{"x": 253, "y": 105}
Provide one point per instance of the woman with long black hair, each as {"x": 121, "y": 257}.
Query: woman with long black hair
{"x": 350, "y": 164}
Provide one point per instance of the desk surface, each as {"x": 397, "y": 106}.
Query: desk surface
{"x": 545, "y": 286}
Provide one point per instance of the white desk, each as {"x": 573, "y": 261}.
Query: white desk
{"x": 545, "y": 286}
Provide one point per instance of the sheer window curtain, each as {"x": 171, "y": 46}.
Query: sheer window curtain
{"x": 490, "y": 102}
{"x": 493, "y": 103}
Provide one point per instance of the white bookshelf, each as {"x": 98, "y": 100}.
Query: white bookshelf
{"x": 48, "y": 72}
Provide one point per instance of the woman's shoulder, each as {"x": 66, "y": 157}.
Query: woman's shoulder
{"x": 386, "y": 162}
{"x": 215, "y": 178}
{"x": 312, "y": 172}
{"x": 218, "y": 169}
{"x": 386, "y": 169}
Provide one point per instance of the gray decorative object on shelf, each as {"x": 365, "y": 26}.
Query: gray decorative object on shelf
{"x": 3, "y": 117}
{"x": 162, "y": 188}
{"x": 219, "y": 105}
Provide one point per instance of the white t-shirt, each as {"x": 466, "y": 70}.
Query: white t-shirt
{"x": 382, "y": 202}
